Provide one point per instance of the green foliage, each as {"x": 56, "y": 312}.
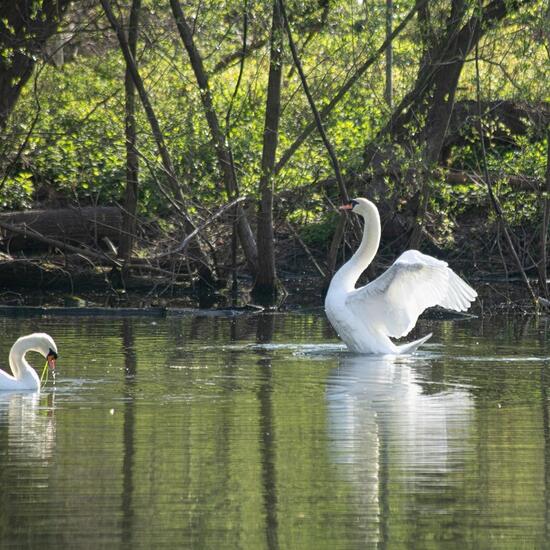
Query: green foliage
{"x": 318, "y": 233}
{"x": 77, "y": 151}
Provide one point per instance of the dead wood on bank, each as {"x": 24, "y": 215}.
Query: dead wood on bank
{"x": 65, "y": 248}
{"x": 39, "y": 229}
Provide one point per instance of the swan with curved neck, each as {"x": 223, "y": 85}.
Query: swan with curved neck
{"x": 24, "y": 376}
{"x": 366, "y": 318}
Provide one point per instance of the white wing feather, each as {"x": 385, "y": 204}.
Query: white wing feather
{"x": 415, "y": 282}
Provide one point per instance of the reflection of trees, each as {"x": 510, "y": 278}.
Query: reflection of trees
{"x": 264, "y": 334}
{"x": 130, "y": 370}
{"x": 255, "y": 446}
{"x": 542, "y": 326}
{"x": 545, "y": 380}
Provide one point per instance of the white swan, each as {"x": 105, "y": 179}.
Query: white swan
{"x": 365, "y": 318}
{"x": 24, "y": 376}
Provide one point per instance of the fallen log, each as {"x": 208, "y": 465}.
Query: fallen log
{"x": 86, "y": 311}
{"x": 88, "y": 225}
{"x": 43, "y": 274}
{"x": 84, "y": 251}
{"x": 95, "y": 311}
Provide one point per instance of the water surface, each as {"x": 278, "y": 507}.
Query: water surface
{"x": 263, "y": 432}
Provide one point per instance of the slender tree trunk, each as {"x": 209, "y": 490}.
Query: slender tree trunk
{"x": 167, "y": 164}
{"x": 132, "y": 159}
{"x": 195, "y": 250}
{"x": 388, "y": 91}
{"x": 266, "y": 278}
{"x": 223, "y": 152}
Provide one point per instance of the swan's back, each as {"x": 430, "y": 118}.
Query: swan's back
{"x": 394, "y": 301}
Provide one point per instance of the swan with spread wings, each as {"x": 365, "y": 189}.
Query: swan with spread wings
{"x": 366, "y": 318}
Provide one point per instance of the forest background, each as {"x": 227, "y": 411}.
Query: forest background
{"x": 159, "y": 146}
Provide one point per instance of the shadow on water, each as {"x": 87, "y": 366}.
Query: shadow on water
{"x": 130, "y": 372}
{"x": 544, "y": 382}
{"x": 267, "y": 435}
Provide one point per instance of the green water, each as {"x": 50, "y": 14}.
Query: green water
{"x": 262, "y": 432}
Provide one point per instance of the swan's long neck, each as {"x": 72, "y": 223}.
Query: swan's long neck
{"x": 19, "y": 366}
{"x": 348, "y": 274}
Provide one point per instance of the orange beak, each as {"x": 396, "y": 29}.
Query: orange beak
{"x": 348, "y": 206}
{"x": 51, "y": 361}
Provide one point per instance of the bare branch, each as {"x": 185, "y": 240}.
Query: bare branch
{"x": 183, "y": 245}
{"x": 84, "y": 251}
{"x": 223, "y": 152}
{"x": 346, "y": 87}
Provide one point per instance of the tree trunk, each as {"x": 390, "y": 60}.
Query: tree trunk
{"x": 432, "y": 98}
{"x": 144, "y": 97}
{"x": 25, "y": 27}
{"x": 388, "y": 90}
{"x": 223, "y": 152}
{"x": 132, "y": 159}
{"x": 195, "y": 250}
{"x": 266, "y": 278}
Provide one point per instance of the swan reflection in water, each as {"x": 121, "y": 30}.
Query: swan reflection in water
{"x": 30, "y": 421}
{"x": 389, "y": 430}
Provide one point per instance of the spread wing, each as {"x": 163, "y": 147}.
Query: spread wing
{"x": 415, "y": 281}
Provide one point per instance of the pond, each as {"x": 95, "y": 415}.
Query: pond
{"x": 261, "y": 431}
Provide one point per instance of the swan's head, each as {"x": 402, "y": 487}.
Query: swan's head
{"x": 360, "y": 206}
{"x": 41, "y": 343}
